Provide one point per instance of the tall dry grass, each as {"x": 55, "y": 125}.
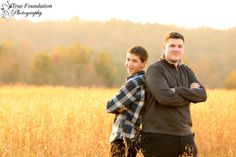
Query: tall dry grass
{"x": 72, "y": 122}
{"x": 214, "y": 124}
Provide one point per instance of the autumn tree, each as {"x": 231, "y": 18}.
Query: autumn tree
{"x": 9, "y": 63}
{"x": 230, "y": 81}
{"x": 104, "y": 66}
{"x": 42, "y": 71}
{"x": 70, "y": 64}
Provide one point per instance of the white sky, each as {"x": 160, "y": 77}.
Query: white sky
{"x": 219, "y": 14}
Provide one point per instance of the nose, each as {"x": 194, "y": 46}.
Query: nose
{"x": 176, "y": 48}
{"x": 130, "y": 64}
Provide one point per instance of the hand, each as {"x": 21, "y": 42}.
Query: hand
{"x": 122, "y": 109}
{"x": 172, "y": 89}
{"x": 195, "y": 85}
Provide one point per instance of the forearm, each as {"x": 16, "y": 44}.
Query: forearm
{"x": 122, "y": 99}
{"x": 195, "y": 92}
{"x": 193, "y": 95}
{"x": 156, "y": 83}
{"x": 166, "y": 96}
{"x": 114, "y": 107}
{"x": 169, "y": 98}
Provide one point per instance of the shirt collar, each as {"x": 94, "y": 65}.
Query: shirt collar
{"x": 136, "y": 74}
{"x": 171, "y": 65}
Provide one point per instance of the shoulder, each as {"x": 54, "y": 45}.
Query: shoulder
{"x": 156, "y": 67}
{"x": 136, "y": 81}
{"x": 156, "y": 64}
{"x": 186, "y": 67}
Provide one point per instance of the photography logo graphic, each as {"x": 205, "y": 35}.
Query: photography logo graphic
{"x": 5, "y": 9}
{"x": 10, "y": 9}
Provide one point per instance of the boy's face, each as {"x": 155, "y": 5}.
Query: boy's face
{"x": 173, "y": 50}
{"x": 133, "y": 63}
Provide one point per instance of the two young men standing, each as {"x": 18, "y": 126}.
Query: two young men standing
{"x": 170, "y": 87}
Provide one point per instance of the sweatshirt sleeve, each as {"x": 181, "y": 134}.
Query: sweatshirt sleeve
{"x": 156, "y": 83}
{"x": 124, "y": 97}
{"x": 193, "y": 95}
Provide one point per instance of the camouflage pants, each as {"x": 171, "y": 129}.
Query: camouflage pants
{"x": 121, "y": 149}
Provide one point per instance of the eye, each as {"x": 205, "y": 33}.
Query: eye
{"x": 180, "y": 46}
{"x": 171, "y": 45}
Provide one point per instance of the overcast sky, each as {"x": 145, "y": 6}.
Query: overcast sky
{"x": 219, "y": 14}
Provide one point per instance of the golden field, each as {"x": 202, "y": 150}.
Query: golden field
{"x": 72, "y": 122}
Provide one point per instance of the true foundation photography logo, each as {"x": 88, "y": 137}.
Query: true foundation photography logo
{"x": 10, "y": 9}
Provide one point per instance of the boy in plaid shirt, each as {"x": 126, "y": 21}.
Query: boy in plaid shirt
{"x": 127, "y": 104}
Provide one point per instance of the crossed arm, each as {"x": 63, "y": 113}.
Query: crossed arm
{"x": 179, "y": 96}
{"x": 125, "y": 96}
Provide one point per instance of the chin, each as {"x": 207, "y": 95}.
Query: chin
{"x": 175, "y": 60}
{"x": 130, "y": 73}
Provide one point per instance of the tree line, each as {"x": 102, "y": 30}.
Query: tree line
{"x": 92, "y": 53}
{"x": 71, "y": 65}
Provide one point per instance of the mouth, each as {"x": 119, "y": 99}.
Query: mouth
{"x": 175, "y": 53}
{"x": 130, "y": 70}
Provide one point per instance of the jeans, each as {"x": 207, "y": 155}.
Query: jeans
{"x": 160, "y": 145}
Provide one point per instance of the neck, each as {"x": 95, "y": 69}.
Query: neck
{"x": 173, "y": 62}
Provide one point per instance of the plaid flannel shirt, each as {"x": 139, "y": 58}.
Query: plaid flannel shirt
{"x": 131, "y": 96}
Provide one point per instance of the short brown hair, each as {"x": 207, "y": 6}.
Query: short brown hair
{"x": 173, "y": 35}
{"x": 139, "y": 51}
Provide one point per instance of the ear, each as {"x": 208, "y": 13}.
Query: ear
{"x": 163, "y": 48}
{"x": 143, "y": 64}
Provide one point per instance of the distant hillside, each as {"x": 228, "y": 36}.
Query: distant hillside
{"x": 209, "y": 52}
